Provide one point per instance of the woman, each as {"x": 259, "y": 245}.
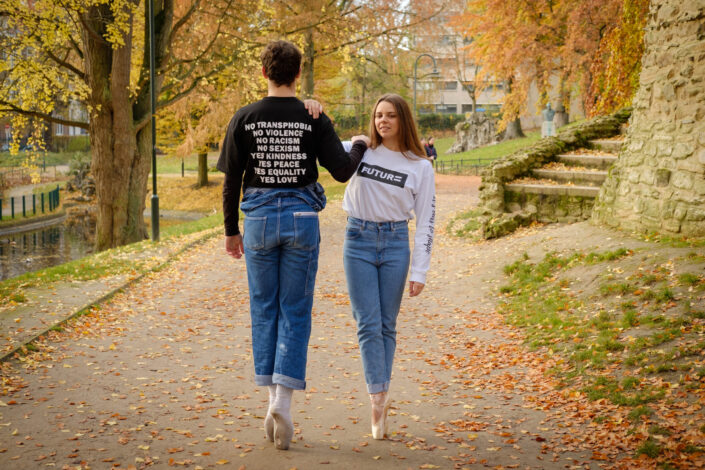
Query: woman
{"x": 394, "y": 180}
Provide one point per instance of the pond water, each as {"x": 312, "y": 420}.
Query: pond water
{"x": 38, "y": 249}
{"x": 29, "y": 251}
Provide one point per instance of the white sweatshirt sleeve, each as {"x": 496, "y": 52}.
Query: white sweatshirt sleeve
{"x": 425, "y": 210}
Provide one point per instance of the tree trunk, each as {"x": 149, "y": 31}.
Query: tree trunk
{"x": 363, "y": 103}
{"x": 120, "y": 153}
{"x": 561, "y": 118}
{"x": 513, "y": 130}
{"x": 307, "y": 65}
{"x": 113, "y": 138}
{"x": 202, "y": 170}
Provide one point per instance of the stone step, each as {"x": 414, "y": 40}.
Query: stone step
{"x": 553, "y": 189}
{"x": 608, "y": 145}
{"x": 591, "y": 161}
{"x": 591, "y": 178}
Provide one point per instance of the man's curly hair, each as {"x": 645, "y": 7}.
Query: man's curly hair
{"x": 281, "y": 61}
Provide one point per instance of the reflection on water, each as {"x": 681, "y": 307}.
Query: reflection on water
{"x": 39, "y": 249}
{"x": 30, "y": 251}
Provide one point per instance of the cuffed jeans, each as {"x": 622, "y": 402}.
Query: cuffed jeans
{"x": 281, "y": 238}
{"x": 376, "y": 261}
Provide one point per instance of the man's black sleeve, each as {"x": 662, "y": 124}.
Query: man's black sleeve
{"x": 345, "y": 172}
{"x": 233, "y": 167}
{"x": 332, "y": 155}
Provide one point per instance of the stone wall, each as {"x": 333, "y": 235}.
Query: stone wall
{"x": 658, "y": 183}
{"x": 498, "y": 219}
{"x": 550, "y": 208}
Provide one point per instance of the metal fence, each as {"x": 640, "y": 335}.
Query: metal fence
{"x": 28, "y": 205}
{"x": 462, "y": 166}
{"x": 12, "y": 176}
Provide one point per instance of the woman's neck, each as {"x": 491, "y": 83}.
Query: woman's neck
{"x": 392, "y": 144}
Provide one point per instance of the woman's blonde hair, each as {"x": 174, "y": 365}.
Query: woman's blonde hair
{"x": 408, "y": 135}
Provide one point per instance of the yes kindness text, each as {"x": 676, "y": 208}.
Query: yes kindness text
{"x": 278, "y": 152}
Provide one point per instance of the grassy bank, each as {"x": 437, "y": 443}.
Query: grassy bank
{"x": 625, "y": 327}
{"x": 488, "y": 152}
{"x": 131, "y": 260}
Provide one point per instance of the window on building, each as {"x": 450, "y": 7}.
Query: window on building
{"x": 446, "y": 108}
{"x": 59, "y": 130}
{"x": 466, "y": 108}
{"x": 450, "y": 85}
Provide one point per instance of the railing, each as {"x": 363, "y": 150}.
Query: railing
{"x": 30, "y": 204}
{"x": 464, "y": 166}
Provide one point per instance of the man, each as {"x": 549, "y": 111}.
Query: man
{"x": 271, "y": 150}
{"x": 431, "y": 150}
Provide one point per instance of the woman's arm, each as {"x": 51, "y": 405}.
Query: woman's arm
{"x": 425, "y": 210}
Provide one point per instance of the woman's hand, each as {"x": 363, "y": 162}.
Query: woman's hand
{"x": 313, "y": 107}
{"x": 363, "y": 138}
{"x": 415, "y": 288}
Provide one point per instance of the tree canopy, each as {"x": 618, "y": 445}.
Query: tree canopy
{"x": 578, "y": 43}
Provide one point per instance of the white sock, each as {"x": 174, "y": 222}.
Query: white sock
{"x": 268, "y": 420}
{"x": 281, "y": 412}
{"x": 272, "y": 394}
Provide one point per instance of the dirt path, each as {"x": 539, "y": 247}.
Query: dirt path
{"x": 163, "y": 376}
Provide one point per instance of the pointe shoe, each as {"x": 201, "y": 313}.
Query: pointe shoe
{"x": 269, "y": 427}
{"x": 283, "y": 430}
{"x": 380, "y": 426}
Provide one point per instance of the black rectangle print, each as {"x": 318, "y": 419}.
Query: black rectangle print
{"x": 382, "y": 175}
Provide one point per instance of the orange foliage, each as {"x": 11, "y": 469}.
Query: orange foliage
{"x": 578, "y": 42}
{"x": 617, "y": 64}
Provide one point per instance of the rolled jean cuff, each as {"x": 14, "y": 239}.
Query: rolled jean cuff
{"x": 377, "y": 388}
{"x": 294, "y": 384}
{"x": 263, "y": 380}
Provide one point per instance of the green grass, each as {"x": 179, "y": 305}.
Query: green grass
{"x": 115, "y": 261}
{"x": 465, "y": 224}
{"x": 7, "y": 220}
{"x": 334, "y": 189}
{"x": 649, "y": 448}
{"x": 488, "y": 152}
{"x": 51, "y": 158}
{"x": 592, "y": 343}
{"x": 689, "y": 279}
{"x": 172, "y": 164}
{"x": 45, "y": 188}
{"x": 205, "y": 223}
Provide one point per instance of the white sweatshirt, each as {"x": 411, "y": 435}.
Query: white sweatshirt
{"x": 387, "y": 187}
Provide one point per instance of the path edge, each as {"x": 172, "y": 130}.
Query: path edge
{"x": 106, "y": 297}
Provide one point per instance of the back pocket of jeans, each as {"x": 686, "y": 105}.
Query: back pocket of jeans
{"x": 253, "y": 237}
{"x": 306, "y": 234}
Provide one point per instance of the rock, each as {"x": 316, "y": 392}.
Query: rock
{"x": 475, "y": 132}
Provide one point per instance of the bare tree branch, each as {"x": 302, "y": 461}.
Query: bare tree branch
{"x": 6, "y": 107}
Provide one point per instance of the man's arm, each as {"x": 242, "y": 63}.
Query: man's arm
{"x": 331, "y": 154}
{"x": 345, "y": 172}
{"x": 233, "y": 167}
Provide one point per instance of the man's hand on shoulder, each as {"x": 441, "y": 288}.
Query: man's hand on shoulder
{"x": 314, "y": 108}
{"x": 234, "y": 246}
{"x": 363, "y": 138}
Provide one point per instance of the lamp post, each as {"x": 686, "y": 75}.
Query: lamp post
{"x": 153, "y": 106}
{"x": 435, "y": 73}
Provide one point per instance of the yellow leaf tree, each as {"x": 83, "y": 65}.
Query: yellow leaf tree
{"x": 96, "y": 52}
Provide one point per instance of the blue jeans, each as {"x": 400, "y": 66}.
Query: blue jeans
{"x": 281, "y": 238}
{"x": 376, "y": 261}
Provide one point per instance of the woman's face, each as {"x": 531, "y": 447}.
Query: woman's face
{"x": 387, "y": 121}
